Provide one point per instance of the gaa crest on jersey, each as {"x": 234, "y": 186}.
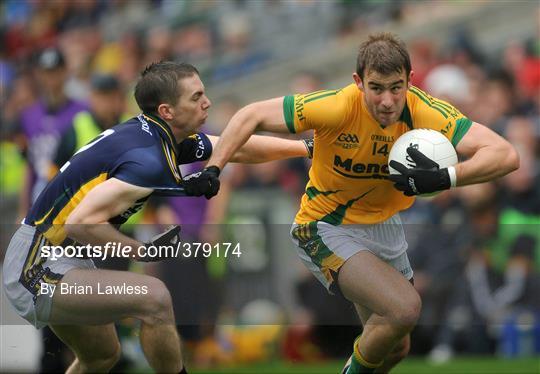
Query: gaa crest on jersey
{"x": 347, "y": 141}
{"x": 313, "y": 247}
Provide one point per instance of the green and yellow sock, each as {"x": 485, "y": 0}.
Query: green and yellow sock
{"x": 358, "y": 364}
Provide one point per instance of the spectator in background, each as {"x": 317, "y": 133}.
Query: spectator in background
{"x": 497, "y": 101}
{"x": 121, "y": 57}
{"x": 450, "y": 83}
{"x": 461, "y": 326}
{"x": 107, "y": 105}
{"x": 523, "y": 62}
{"x": 33, "y": 27}
{"x": 499, "y": 280}
{"x": 159, "y": 43}
{"x": 20, "y": 94}
{"x": 44, "y": 122}
{"x": 239, "y": 54}
{"x": 194, "y": 42}
{"x": 81, "y": 39}
{"x": 523, "y": 131}
{"x": 464, "y": 52}
{"x": 18, "y": 91}
{"x": 520, "y": 200}
{"x": 424, "y": 59}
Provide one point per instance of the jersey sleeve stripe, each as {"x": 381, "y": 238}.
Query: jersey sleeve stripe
{"x": 438, "y": 104}
{"x": 428, "y": 102}
{"x": 462, "y": 126}
{"x": 433, "y": 100}
{"x": 442, "y": 104}
{"x": 311, "y": 192}
{"x": 325, "y": 94}
{"x": 288, "y": 112}
{"x": 314, "y": 93}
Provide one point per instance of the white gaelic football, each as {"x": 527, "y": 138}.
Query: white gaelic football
{"x": 431, "y": 143}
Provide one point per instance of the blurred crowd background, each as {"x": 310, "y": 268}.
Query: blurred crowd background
{"x": 67, "y": 71}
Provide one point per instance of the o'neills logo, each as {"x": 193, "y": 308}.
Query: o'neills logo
{"x": 347, "y": 141}
{"x": 349, "y": 169}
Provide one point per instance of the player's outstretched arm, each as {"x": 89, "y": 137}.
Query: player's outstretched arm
{"x": 260, "y": 149}
{"x": 263, "y": 115}
{"x": 489, "y": 156}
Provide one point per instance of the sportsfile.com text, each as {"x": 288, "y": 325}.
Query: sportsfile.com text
{"x": 113, "y": 249}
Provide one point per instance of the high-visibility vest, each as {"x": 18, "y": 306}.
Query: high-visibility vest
{"x": 87, "y": 129}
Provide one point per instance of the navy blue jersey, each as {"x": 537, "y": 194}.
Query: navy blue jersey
{"x": 141, "y": 151}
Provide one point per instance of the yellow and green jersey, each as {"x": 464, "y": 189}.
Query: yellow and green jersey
{"x": 348, "y": 179}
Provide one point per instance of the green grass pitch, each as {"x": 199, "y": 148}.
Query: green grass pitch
{"x": 472, "y": 365}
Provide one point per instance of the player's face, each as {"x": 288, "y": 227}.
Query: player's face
{"x": 384, "y": 95}
{"x": 191, "y": 110}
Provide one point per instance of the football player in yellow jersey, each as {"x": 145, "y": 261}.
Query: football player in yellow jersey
{"x": 355, "y": 128}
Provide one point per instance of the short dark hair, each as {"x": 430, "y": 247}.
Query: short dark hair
{"x": 385, "y": 53}
{"x": 158, "y": 84}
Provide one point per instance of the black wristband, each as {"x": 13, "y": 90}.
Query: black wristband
{"x": 214, "y": 169}
{"x": 444, "y": 182}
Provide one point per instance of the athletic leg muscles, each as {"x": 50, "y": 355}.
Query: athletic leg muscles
{"x": 400, "y": 350}
{"x": 96, "y": 348}
{"x": 152, "y": 305}
{"x": 393, "y": 302}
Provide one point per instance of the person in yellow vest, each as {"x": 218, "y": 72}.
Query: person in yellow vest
{"x": 107, "y": 105}
{"x": 348, "y": 231}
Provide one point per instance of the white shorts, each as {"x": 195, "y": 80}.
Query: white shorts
{"x": 324, "y": 248}
{"x": 25, "y": 270}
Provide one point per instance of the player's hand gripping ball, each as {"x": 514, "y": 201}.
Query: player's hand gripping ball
{"x": 419, "y": 162}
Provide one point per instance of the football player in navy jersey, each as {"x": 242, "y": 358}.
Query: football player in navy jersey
{"x": 97, "y": 190}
